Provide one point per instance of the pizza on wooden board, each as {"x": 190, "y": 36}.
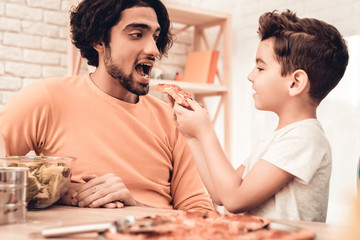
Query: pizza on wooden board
{"x": 178, "y": 94}
{"x": 193, "y": 225}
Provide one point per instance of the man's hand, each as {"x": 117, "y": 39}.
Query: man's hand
{"x": 67, "y": 199}
{"x": 106, "y": 191}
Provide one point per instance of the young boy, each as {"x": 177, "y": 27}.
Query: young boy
{"x": 298, "y": 62}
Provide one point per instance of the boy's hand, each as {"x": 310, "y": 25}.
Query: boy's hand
{"x": 192, "y": 123}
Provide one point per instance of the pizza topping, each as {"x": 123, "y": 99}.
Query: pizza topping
{"x": 195, "y": 225}
{"x": 178, "y": 94}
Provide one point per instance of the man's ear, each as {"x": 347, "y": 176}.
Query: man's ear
{"x": 99, "y": 46}
{"x": 299, "y": 82}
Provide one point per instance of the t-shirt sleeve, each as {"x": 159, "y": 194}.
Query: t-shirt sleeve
{"x": 298, "y": 151}
{"x": 25, "y": 119}
{"x": 187, "y": 188}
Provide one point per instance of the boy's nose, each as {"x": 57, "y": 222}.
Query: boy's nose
{"x": 249, "y": 77}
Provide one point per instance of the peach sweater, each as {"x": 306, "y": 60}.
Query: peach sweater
{"x": 138, "y": 142}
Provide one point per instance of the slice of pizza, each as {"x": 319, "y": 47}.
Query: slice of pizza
{"x": 178, "y": 94}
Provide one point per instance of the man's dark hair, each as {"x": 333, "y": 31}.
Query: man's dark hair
{"x": 308, "y": 44}
{"x": 91, "y": 22}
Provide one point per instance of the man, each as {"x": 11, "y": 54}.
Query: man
{"x": 128, "y": 149}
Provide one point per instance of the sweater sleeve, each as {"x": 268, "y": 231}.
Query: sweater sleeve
{"x": 187, "y": 188}
{"x": 25, "y": 119}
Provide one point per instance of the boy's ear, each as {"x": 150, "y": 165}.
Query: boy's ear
{"x": 299, "y": 82}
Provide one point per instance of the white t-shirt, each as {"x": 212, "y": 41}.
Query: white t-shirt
{"x": 301, "y": 149}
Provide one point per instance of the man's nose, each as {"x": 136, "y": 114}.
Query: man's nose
{"x": 151, "y": 48}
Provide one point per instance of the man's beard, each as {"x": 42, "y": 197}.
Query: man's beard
{"x": 125, "y": 80}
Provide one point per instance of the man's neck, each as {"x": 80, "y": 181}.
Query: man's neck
{"x": 112, "y": 87}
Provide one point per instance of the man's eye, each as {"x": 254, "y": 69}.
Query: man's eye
{"x": 136, "y": 35}
{"x": 156, "y": 38}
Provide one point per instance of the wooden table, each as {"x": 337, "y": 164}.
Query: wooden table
{"x": 66, "y": 215}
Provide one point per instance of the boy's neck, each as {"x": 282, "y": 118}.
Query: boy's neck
{"x": 296, "y": 115}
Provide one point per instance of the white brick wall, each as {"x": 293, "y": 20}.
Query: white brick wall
{"x": 40, "y": 28}
{"x": 53, "y": 44}
{"x": 22, "y": 69}
{"x": 55, "y": 17}
{"x": 11, "y": 53}
{"x": 2, "y": 67}
{"x": 33, "y": 42}
{"x": 10, "y": 24}
{"x": 21, "y": 40}
{"x": 41, "y": 57}
{"x": 10, "y": 83}
{"x": 23, "y": 12}
{"x": 45, "y": 4}
{"x": 2, "y": 8}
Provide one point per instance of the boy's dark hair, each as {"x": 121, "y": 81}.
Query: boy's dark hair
{"x": 92, "y": 20}
{"x": 308, "y": 44}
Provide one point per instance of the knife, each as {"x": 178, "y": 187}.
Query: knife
{"x": 119, "y": 225}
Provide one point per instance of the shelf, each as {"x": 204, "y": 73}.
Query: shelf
{"x": 194, "y": 16}
{"x": 195, "y": 88}
{"x": 219, "y": 38}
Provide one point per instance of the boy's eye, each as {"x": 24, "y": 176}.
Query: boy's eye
{"x": 259, "y": 69}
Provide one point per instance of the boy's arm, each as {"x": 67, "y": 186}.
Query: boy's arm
{"x": 234, "y": 192}
{"x": 240, "y": 194}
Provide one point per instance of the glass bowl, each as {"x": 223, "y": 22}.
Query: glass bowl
{"x": 47, "y": 180}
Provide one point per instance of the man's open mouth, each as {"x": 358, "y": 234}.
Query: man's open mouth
{"x": 143, "y": 69}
